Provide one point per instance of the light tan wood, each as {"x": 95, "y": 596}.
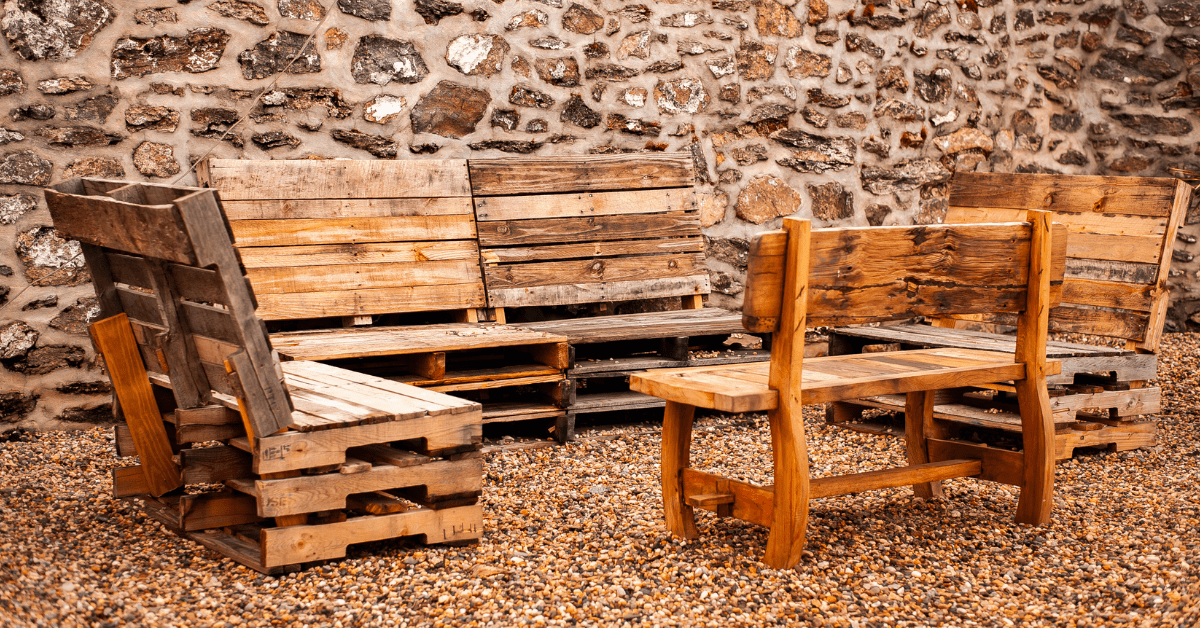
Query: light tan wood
{"x": 556, "y": 175}
{"x": 323, "y": 179}
{"x": 308, "y": 232}
{"x": 918, "y": 414}
{"x": 1037, "y": 426}
{"x": 676, "y": 457}
{"x": 925, "y": 474}
{"x": 591, "y": 204}
{"x": 279, "y": 209}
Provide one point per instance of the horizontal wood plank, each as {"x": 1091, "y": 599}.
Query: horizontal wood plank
{"x": 352, "y": 230}
{"x": 317, "y": 208}
{"x": 1107, "y": 270}
{"x": 635, "y": 268}
{"x": 1076, "y": 223}
{"x": 297, "y": 305}
{"x": 598, "y": 292}
{"x": 377, "y": 253}
{"x": 583, "y": 205}
{"x": 1108, "y": 294}
{"x": 564, "y": 230}
{"x": 152, "y": 230}
{"x": 363, "y": 276}
{"x": 1141, "y": 196}
{"x": 592, "y": 249}
{"x": 562, "y": 174}
{"x": 336, "y": 178}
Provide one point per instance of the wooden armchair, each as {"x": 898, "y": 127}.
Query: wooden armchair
{"x": 798, "y": 278}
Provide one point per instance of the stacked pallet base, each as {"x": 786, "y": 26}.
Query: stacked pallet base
{"x": 367, "y": 460}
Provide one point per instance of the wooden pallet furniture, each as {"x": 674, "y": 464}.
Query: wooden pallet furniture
{"x": 1118, "y": 259}
{"x": 799, "y": 278}
{"x": 312, "y": 458}
{"x": 561, "y": 234}
{"x": 374, "y": 266}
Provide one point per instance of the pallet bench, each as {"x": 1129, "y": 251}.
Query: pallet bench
{"x": 569, "y": 233}
{"x": 799, "y": 278}
{"x": 1118, "y": 259}
{"x": 312, "y": 458}
{"x": 374, "y": 266}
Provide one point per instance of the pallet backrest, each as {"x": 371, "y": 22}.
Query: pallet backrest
{"x": 352, "y": 238}
{"x": 1119, "y": 253}
{"x": 164, "y": 257}
{"x": 871, "y": 274}
{"x": 588, "y": 229}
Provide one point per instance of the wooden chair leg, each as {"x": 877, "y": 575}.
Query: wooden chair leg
{"x": 676, "y": 456}
{"x": 1037, "y": 432}
{"x": 790, "y": 517}
{"x": 918, "y": 416}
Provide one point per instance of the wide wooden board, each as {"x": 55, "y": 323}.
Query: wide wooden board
{"x": 299, "y": 232}
{"x": 1141, "y": 196}
{"x": 582, "y": 173}
{"x": 341, "y": 178}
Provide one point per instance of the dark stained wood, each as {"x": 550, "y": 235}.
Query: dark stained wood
{"x": 592, "y": 173}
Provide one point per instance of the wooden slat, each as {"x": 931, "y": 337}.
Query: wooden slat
{"x": 323, "y": 179}
{"x": 543, "y": 175}
{"x": 1108, "y": 294}
{"x": 593, "y": 249}
{"x": 1076, "y": 223}
{"x": 599, "y": 228}
{"x": 567, "y": 294}
{"x": 1119, "y": 248}
{"x": 583, "y": 205}
{"x": 1107, "y": 270}
{"x": 362, "y": 276}
{"x": 363, "y": 302}
{"x": 280, "y": 209}
{"x": 892, "y": 478}
{"x": 335, "y": 344}
{"x": 294, "y": 232}
{"x": 1142, "y": 196}
{"x": 643, "y": 268}
{"x": 377, "y": 253}
{"x": 998, "y": 465}
{"x": 151, "y": 230}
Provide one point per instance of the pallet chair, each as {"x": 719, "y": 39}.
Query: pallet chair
{"x": 184, "y": 350}
{"x": 798, "y": 278}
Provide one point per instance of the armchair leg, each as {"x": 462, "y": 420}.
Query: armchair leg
{"x": 1037, "y": 431}
{"x": 790, "y": 517}
{"x": 918, "y": 423}
{"x": 676, "y": 456}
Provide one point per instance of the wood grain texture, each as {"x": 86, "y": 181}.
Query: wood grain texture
{"x": 584, "y": 205}
{"x": 1142, "y": 196}
{"x": 583, "y": 173}
{"x": 151, "y": 230}
{"x": 289, "y": 179}
{"x": 321, "y": 208}
{"x": 301, "y": 232}
{"x": 599, "y": 292}
{"x": 640, "y": 268}
{"x": 300, "y": 305}
{"x": 358, "y": 253}
{"x": 589, "y": 229}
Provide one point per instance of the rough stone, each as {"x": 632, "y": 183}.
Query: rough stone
{"x": 892, "y": 77}
{"x": 856, "y": 42}
{"x": 16, "y": 339}
{"x": 25, "y": 168}
{"x": 766, "y": 197}
{"x": 712, "y": 207}
{"x": 966, "y": 138}
{"x": 1135, "y": 35}
{"x": 54, "y": 31}
{"x": 533, "y": 18}
{"x": 165, "y": 15}
{"x": 801, "y": 63}
{"x": 772, "y": 19}
{"x": 876, "y": 213}
{"x": 1154, "y": 125}
{"x": 335, "y": 38}
{"x": 216, "y": 123}
{"x": 271, "y": 140}
{"x": 100, "y": 414}
{"x": 1126, "y": 66}
{"x": 241, "y": 10}
{"x": 685, "y": 95}
{"x": 11, "y": 83}
{"x": 155, "y": 159}
{"x": 635, "y": 44}
{"x": 370, "y": 10}
{"x": 562, "y": 71}
{"x": 755, "y": 60}
{"x": 550, "y": 42}
{"x": 507, "y": 146}
{"x": 505, "y": 119}
{"x": 55, "y": 86}
{"x": 686, "y": 19}
{"x": 816, "y": 153}
{"x": 99, "y": 387}
{"x": 1131, "y": 163}
{"x": 1181, "y": 13}
{"x": 582, "y": 20}
{"x": 1066, "y": 122}
{"x": 814, "y": 117}
{"x": 96, "y": 167}
{"x": 1187, "y": 47}
{"x": 311, "y": 10}
{"x": 731, "y": 93}
{"x": 609, "y": 72}
{"x": 304, "y": 98}
{"x": 76, "y": 318}
{"x": 95, "y": 108}
{"x": 434, "y": 11}
{"x": 378, "y": 145}
{"x": 529, "y": 97}
{"x": 450, "y": 110}
{"x": 665, "y": 66}
{"x": 631, "y": 126}
{"x": 576, "y": 112}
{"x": 15, "y": 406}
{"x": 933, "y": 87}
{"x": 48, "y": 359}
{"x": 721, "y": 66}
{"x": 33, "y": 112}
{"x": 853, "y": 120}
{"x": 931, "y": 18}
{"x": 905, "y": 175}
{"x": 537, "y": 125}
{"x": 50, "y": 260}
{"x": 831, "y": 201}
{"x": 1072, "y": 158}
{"x": 13, "y": 206}
{"x": 818, "y": 11}
{"x": 198, "y": 51}
{"x": 899, "y": 110}
{"x": 8, "y": 136}
{"x": 383, "y": 108}
{"x": 150, "y": 117}
{"x": 477, "y": 55}
{"x": 271, "y": 55}
{"x": 382, "y": 60}
{"x": 596, "y": 50}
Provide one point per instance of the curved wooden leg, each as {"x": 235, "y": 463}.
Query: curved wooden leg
{"x": 790, "y": 517}
{"x": 1037, "y": 431}
{"x": 918, "y": 421}
{"x": 676, "y": 456}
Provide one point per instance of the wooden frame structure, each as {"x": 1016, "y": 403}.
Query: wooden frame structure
{"x": 802, "y": 278}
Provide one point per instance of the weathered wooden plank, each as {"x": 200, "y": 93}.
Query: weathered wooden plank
{"x": 363, "y": 276}
{"x": 1142, "y": 196}
{"x": 890, "y": 478}
{"x": 334, "y": 344}
{"x": 238, "y": 179}
{"x": 1106, "y": 270}
{"x": 598, "y": 228}
{"x": 1115, "y": 247}
{"x": 546, "y": 175}
{"x": 584, "y": 205}
{"x": 377, "y": 253}
{"x": 846, "y": 306}
{"x": 1076, "y": 223}
{"x": 638, "y": 268}
{"x": 592, "y": 249}
{"x": 150, "y": 230}
{"x": 314, "y": 208}
{"x": 1108, "y": 294}
{"x": 194, "y": 284}
{"x": 566, "y": 294}
{"x": 363, "y": 302}
{"x": 293, "y": 232}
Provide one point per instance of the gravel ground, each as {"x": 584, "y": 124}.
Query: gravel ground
{"x": 574, "y": 537}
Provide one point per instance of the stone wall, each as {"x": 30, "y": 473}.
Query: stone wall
{"x": 849, "y": 113}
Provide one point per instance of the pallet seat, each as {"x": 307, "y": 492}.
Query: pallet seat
{"x": 799, "y": 278}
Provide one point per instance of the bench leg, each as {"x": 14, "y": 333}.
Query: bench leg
{"x": 790, "y": 517}
{"x": 1037, "y": 432}
{"x": 918, "y": 426}
{"x": 676, "y": 456}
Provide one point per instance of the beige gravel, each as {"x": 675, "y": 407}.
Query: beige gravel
{"x": 574, "y": 537}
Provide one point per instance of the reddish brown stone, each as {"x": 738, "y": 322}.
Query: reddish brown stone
{"x": 766, "y": 197}
{"x": 450, "y": 110}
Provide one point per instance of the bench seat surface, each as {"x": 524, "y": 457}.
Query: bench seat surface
{"x": 743, "y": 387}
{"x": 337, "y": 344}
{"x": 675, "y": 323}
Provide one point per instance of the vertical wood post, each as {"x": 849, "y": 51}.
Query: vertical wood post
{"x": 918, "y": 416}
{"x": 1037, "y": 423}
{"x": 676, "y": 456}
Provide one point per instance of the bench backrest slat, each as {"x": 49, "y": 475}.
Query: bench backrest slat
{"x": 1119, "y": 251}
{"x": 332, "y": 238}
{"x": 588, "y": 229}
{"x": 862, "y": 275}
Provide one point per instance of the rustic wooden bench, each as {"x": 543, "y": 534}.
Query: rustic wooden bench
{"x": 1118, "y": 258}
{"x": 799, "y": 278}
{"x": 190, "y": 364}
{"x": 389, "y": 249}
{"x": 561, "y": 234}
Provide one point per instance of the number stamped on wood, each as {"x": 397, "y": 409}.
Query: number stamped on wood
{"x": 276, "y": 452}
